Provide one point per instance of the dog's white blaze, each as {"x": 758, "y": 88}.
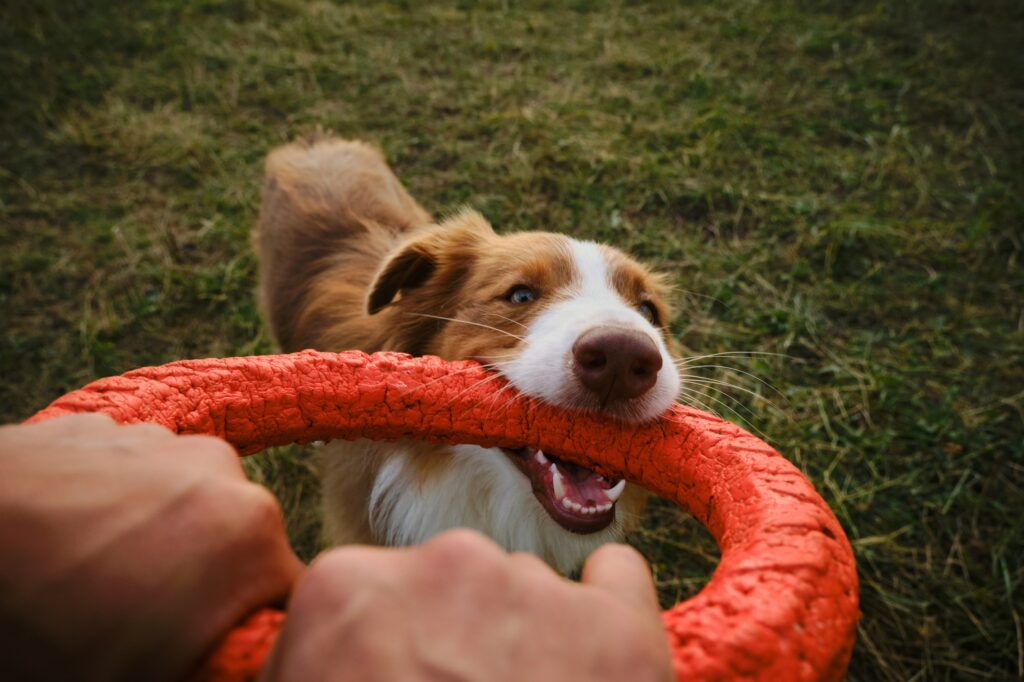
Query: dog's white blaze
{"x": 595, "y": 281}
{"x": 543, "y": 368}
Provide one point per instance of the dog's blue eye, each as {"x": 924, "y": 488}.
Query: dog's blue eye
{"x": 648, "y": 312}
{"x": 520, "y": 295}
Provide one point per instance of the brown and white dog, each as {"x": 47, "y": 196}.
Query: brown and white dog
{"x": 350, "y": 261}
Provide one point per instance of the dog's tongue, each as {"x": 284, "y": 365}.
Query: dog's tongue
{"x": 579, "y": 499}
{"x": 579, "y": 485}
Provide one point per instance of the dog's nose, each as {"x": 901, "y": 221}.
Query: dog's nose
{"x": 616, "y": 363}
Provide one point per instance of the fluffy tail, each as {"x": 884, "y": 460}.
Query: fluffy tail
{"x": 322, "y": 197}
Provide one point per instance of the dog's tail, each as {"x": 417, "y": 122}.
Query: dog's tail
{"x": 323, "y": 195}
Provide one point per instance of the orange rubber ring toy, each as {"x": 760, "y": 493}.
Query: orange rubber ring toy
{"x": 781, "y": 605}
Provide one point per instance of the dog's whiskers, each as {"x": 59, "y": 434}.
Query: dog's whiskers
{"x": 507, "y": 319}
{"x": 472, "y": 386}
{"x": 493, "y": 358}
{"x": 691, "y": 377}
{"x": 695, "y": 398}
{"x": 683, "y": 362}
{"x": 512, "y": 401}
{"x": 469, "y": 322}
{"x": 500, "y": 392}
{"x": 443, "y": 377}
{"x": 716, "y": 382}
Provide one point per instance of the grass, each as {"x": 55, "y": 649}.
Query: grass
{"x": 837, "y": 183}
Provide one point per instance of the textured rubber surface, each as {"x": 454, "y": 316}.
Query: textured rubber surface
{"x": 781, "y": 605}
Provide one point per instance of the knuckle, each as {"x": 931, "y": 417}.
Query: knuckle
{"x": 83, "y": 421}
{"x": 89, "y": 418}
{"x": 329, "y": 564}
{"x": 212, "y": 446}
{"x": 460, "y": 551}
{"x": 245, "y": 518}
{"x": 215, "y": 451}
{"x": 240, "y": 503}
{"x": 463, "y": 540}
{"x": 261, "y": 506}
{"x": 619, "y": 551}
{"x": 527, "y": 563}
{"x": 147, "y": 430}
{"x": 328, "y": 578}
{"x": 462, "y": 544}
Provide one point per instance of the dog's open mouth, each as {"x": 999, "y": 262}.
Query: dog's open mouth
{"x": 580, "y": 500}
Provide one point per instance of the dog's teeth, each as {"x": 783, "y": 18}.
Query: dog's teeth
{"x": 577, "y": 506}
{"x": 616, "y": 490}
{"x": 604, "y": 507}
{"x": 541, "y": 459}
{"x": 567, "y": 503}
{"x": 559, "y": 486}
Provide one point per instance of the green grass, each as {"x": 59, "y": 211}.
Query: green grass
{"x": 841, "y": 186}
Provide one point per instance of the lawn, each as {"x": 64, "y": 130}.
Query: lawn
{"x": 841, "y": 188}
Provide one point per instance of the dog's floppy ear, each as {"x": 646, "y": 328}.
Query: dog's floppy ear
{"x": 445, "y": 251}
{"x": 409, "y": 268}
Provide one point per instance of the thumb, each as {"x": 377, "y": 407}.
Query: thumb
{"x": 622, "y": 571}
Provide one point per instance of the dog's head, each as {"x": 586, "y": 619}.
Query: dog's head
{"x": 571, "y": 323}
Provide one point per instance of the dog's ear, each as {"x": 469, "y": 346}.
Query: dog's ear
{"x": 443, "y": 255}
{"x": 409, "y": 268}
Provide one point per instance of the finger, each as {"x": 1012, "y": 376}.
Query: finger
{"x": 332, "y": 576}
{"x": 460, "y": 549}
{"x": 531, "y": 563}
{"x": 326, "y": 598}
{"x": 622, "y": 571}
{"x": 80, "y": 422}
{"x": 247, "y": 560}
{"x": 208, "y": 452}
{"x": 352, "y": 559}
{"x": 462, "y": 541}
{"x": 460, "y": 555}
{"x": 267, "y": 515}
{"x": 143, "y": 431}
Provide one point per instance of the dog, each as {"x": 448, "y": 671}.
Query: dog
{"x": 349, "y": 260}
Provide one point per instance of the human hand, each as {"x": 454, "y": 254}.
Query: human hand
{"x": 458, "y": 608}
{"x": 128, "y": 551}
